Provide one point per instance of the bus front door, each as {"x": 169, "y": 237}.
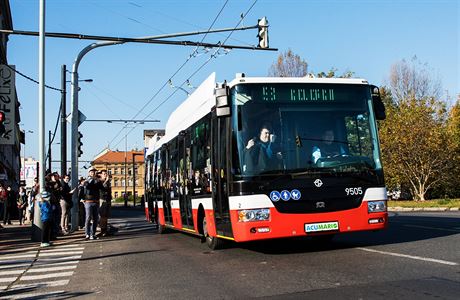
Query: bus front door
{"x": 185, "y": 201}
{"x": 220, "y": 136}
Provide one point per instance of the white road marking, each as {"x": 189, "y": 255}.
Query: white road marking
{"x": 41, "y": 264}
{"x": 42, "y": 284}
{"x": 12, "y": 272}
{"x": 34, "y": 295}
{"x": 53, "y": 275}
{"x": 51, "y": 259}
{"x": 12, "y": 266}
{"x": 8, "y": 279}
{"x": 59, "y": 253}
{"x": 439, "y": 261}
{"x": 62, "y": 250}
{"x": 17, "y": 256}
{"x": 51, "y": 269}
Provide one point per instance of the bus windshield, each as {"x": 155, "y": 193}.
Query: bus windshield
{"x": 300, "y": 128}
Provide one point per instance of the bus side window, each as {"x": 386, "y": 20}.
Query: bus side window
{"x": 200, "y": 159}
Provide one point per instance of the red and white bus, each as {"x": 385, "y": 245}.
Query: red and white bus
{"x": 266, "y": 157}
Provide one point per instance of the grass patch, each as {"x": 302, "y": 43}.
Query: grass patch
{"x": 426, "y": 203}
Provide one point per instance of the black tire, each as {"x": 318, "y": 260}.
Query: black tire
{"x": 214, "y": 243}
{"x": 161, "y": 229}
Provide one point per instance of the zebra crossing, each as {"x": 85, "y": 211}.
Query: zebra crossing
{"x": 34, "y": 272}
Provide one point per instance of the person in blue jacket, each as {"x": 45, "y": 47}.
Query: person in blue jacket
{"x": 46, "y": 216}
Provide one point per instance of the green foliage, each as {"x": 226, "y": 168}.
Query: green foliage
{"x": 414, "y": 137}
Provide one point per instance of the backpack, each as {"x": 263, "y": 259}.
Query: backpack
{"x": 45, "y": 210}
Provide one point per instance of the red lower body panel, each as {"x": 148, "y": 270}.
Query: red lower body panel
{"x": 292, "y": 225}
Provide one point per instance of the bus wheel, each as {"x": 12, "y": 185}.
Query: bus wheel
{"x": 213, "y": 242}
{"x": 161, "y": 229}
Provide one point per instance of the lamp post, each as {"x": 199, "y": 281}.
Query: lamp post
{"x": 134, "y": 176}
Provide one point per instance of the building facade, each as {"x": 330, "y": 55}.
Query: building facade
{"x": 126, "y": 170}
{"x": 11, "y": 136}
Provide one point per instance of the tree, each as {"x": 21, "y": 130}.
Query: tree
{"x": 288, "y": 64}
{"x": 414, "y": 137}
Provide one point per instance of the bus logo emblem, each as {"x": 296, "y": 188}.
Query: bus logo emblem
{"x": 318, "y": 183}
{"x": 320, "y": 205}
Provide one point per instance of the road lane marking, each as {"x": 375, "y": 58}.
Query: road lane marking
{"x": 439, "y": 261}
{"x": 12, "y": 266}
{"x": 38, "y": 270}
{"x": 12, "y": 272}
{"x": 62, "y": 250}
{"x": 41, "y": 284}
{"x": 51, "y": 259}
{"x": 59, "y": 253}
{"x": 8, "y": 279}
{"x": 41, "y": 264}
{"x": 53, "y": 275}
{"x": 34, "y": 295}
{"x": 18, "y": 256}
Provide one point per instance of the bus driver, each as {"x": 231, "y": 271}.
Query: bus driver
{"x": 327, "y": 147}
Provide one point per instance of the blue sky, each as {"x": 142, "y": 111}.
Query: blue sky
{"x": 363, "y": 36}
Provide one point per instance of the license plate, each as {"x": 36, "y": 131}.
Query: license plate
{"x": 325, "y": 226}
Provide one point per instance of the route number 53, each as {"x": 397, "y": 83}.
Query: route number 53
{"x": 354, "y": 191}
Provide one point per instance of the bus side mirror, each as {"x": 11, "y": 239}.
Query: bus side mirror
{"x": 379, "y": 107}
{"x": 221, "y": 92}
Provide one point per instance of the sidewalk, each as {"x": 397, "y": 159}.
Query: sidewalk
{"x": 16, "y": 237}
{"x": 432, "y": 209}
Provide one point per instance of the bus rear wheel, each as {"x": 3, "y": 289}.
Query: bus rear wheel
{"x": 213, "y": 242}
{"x": 161, "y": 229}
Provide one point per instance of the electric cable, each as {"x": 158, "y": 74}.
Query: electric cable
{"x": 193, "y": 74}
{"x": 31, "y": 79}
{"x": 175, "y": 73}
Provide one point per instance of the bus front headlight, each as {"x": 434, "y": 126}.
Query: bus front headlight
{"x": 376, "y": 206}
{"x": 251, "y": 215}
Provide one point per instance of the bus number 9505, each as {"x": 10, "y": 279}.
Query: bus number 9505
{"x": 354, "y": 191}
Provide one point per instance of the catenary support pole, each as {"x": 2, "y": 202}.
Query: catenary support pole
{"x": 38, "y": 225}
{"x": 63, "y": 122}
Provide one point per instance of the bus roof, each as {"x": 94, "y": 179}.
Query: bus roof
{"x": 202, "y": 100}
{"x": 241, "y": 79}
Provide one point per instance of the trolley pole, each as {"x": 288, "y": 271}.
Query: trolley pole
{"x": 63, "y": 122}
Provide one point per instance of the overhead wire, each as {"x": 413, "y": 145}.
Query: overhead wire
{"x": 175, "y": 73}
{"x": 31, "y": 79}
{"x": 195, "y": 72}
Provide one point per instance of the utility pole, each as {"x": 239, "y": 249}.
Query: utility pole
{"x": 63, "y": 122}
{"x": 38, "y": 225}
{"x": 49, "y": 150}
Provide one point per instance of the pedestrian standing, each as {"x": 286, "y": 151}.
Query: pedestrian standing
{"x": 9, "y": 203}
{"x": 3, "y": 196}
{"x": 53, "y": 186}
{"x": 81, "y": 203}
{"x": 22, "y": 205}
{"x": 92, "y": 195}
{"x": 66, "y": 203}
{"x": 46, "y": 216}
{"x": 105, "y": 201}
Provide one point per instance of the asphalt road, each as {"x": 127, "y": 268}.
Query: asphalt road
{"x": 418, "y": 257}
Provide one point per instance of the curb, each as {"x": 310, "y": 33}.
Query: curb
{"x": 430, "y": 209}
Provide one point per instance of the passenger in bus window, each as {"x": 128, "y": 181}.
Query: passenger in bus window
{"x": 197, "y": 183}
{"x": 260, "y": 152}
{"x": 327, "y": 146}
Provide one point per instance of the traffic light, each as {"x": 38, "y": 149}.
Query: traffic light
{"x": 2, "y": 125}
{"x": 79, "y": 144}
{"x": 262, "y": 34}
{"x": 298, "y": 141}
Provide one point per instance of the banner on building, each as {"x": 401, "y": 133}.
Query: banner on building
{"x": 8, "y": 104}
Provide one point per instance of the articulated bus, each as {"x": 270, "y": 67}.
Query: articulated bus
{"x": 249, "y": 160}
